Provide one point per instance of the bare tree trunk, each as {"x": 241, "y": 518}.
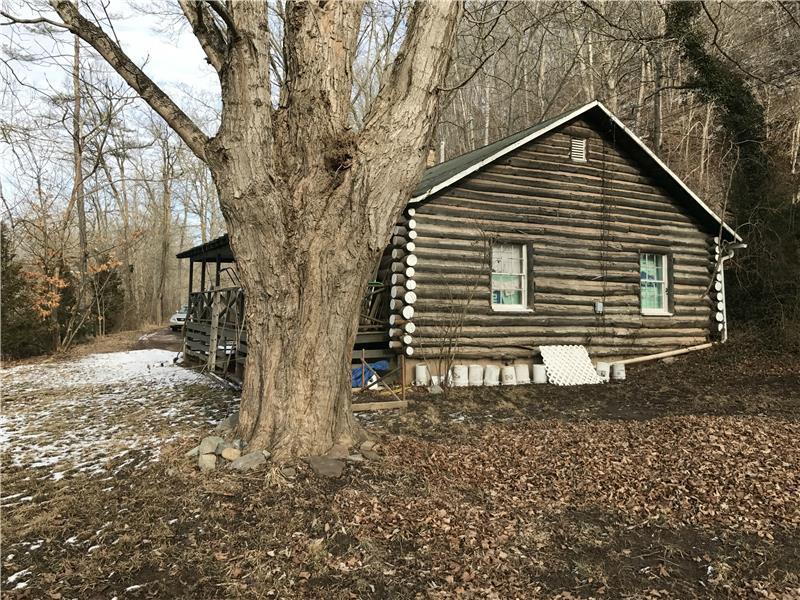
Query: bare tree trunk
{"x": 657, "y": 111}
{"x": 78, "y": 192}
{"x": 309, "y": 203}
{"x": 165, "y": 230}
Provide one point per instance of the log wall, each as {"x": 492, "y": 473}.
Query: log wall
{"x": 585, "y": 225}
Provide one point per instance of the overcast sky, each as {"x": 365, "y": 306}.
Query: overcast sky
{"x": 160, "y": 44}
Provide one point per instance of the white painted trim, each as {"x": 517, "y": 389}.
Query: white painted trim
{"x": 569, "y": 116}
{"x": 523, "y": 307}
{"x": 669, "y": 172}
{"x": 656, "y": 312}
{"x": 502, "y": 152}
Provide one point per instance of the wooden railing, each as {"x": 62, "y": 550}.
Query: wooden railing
{"x": 215, "y": 319}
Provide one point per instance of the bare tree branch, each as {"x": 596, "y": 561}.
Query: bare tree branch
{"x": 207, "y": 32}
{"x": 219, "y": 8}
{"x": 150, "y": 92}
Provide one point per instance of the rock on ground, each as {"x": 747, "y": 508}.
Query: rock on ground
{"x": 325, "y": 466}
{"x": 209, "y": 444}
{"x": 229, "y": 423}
{"x": 338, "y": 451}
{"x": 207, "y": 462}
{"x": 231, "y": 453}
{"x": 370, "y": 455}
{"x": 251, "y": 461}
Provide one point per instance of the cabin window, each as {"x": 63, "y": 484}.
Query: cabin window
{"x": 577, "y": 149}
{"x": 509, "y": 277}
{"x": 653, "y": 283}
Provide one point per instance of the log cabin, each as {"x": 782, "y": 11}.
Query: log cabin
{"x": 569, "y": 232}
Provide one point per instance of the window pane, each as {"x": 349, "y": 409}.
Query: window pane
{"x": 509, "y": 278}
{"x": 649, "y": 270}
{"x": 507, "y": 259}
{"x": 652, "y": 295}
{"x": 506, "y": 282}
{"x": 507, "y": 297}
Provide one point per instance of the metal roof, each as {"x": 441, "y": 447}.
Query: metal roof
{"x": 218, "y": 247}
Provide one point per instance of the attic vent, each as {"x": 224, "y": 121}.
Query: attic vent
{"x": 577, "y": 149}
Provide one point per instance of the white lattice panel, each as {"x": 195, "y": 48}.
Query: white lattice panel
{"x": 569, "y": 365}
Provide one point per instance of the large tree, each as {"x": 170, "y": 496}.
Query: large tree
{"x": 309, "y": 202}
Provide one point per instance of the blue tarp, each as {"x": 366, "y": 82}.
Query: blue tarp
{"x": 378, "y": 367}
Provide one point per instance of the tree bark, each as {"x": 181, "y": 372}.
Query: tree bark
{"x": 309, "y": 203}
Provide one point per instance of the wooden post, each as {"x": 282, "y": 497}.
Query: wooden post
{"x": 362, "y": 369}
{"x": 403, "y": 377}
{"x": 217, "y": 275}
{"x": 203, "y": 275}
{"x": 213, "y": 334}
{"x": 191, "y": 281}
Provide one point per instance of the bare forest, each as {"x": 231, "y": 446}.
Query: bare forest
{"x": 98, "y": 194}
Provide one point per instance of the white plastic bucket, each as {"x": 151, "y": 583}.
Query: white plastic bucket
{"x": 522, "y": 374}
{"x": 508, "y": 375}
{"x": 618, "y": 372}
{"x": 604, "y": 370}
{"x": 421, "y": 376}
{"x": 539, "y": 374}
{"x": 475, "y": 375}
{"x": 491, "y": 375}
{"x": 459, "y": 375}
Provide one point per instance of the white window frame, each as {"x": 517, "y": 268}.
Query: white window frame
{"x": 578, "y": 149}
{"x": 664, "y": 310}
{"x": 523, "y": 307}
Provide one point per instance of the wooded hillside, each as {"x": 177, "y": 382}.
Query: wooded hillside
{"x": 98, "y": 194}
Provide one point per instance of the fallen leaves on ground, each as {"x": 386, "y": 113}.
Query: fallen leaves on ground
{"x": 683, "y": 482}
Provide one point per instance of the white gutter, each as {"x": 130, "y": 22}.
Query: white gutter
{"x": 729, "y": 252}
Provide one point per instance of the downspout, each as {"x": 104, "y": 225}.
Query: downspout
{"x": 729, "y": 252}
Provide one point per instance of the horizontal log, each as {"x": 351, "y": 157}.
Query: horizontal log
{"x": 567, "y": 210}
{"x": 555, "y": 255}
{"x": 563, "y": 176}
{"x": 613, "y": 222}
{"x": 486, "y": 331}
{"x": 466, "y": 239}
{"x": 431, "y": 319}
{"x": 545, "y": 340}
{"x": 398, "y": 267}
{"x": 561, "y": 200}
{"x": 523, "y": 187}
{"x": 407, "y": 312}
{"x": 475, "y": 309}
{"x": 501, "y": 352}
{"x": 437, "y": 228}
{"x": 401, "y": 337}
{"x": 484, "y": 223}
